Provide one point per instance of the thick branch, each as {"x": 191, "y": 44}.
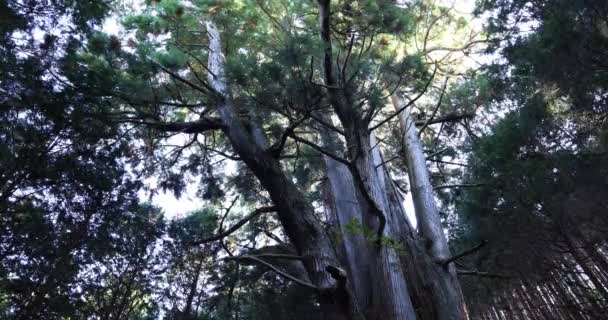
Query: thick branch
{"x": 339, "y": 274}
{"x": 373, "y": 206}
{"x": 277, "y": 148}
{"x": 235, "y": 227}
{"x": 324, "y": 14}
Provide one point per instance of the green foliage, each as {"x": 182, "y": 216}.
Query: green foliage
{"x": 197, "y": 225}
{"x": 568, "y": 34}
{"x": 536, "y": 160}
{"x": 355, "y": 227}
{"x": 83, "y": 119}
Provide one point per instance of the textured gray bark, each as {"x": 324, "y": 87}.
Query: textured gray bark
{"x": 345, "y": 207}
{"x": 437, "y": 287}
{"x": 375, "y": 272}
{"x": 427, "y": 215}
{"x": 397, "y": 291}
{"x": 390, "y": 296}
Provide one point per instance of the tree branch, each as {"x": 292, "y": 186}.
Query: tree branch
{"x": 455, "y": 49}
{"x": 279, "y": 256}
{"x": 463, "y": 253}
{"x": 275, "y": 269}
{"x": 447, "y": 118}
{"x": 198, "y": 126}
{"x": 437, "y": 153}
{"x": 205, "y": 89}
{"x": 320, "y": 149}
{"x": 481, "y": 274}
{"x": 277, "y": 148}
{"x": 448, "y": 186}
{"x": 427, "y": 122}
{"x": 327, "y": 125}
{"x": 236, "y": 226}
{"x": 411, "y": 102}
{"x": 449, "y": 162}
{"x": 324, "y": 14}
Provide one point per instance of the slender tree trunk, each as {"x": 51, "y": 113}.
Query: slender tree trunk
{"x": 187, "y": 314}
{"x": 446, "y": 294}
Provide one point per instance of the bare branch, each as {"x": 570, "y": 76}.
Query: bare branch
{"x": 450, "y": 162}
{"x": 327, "y": 125}
{"x": 205, "y": 89}
{"x": 447, "y": 118}
{"x": 235, "y": 227}
{"x": 426, "y": 123}
{"x": 387, "y": 161}
{"x": 481, "y": 274}
{"x": 198, "y": 126}
{"x": 279, "y": 256}
{"x": 455, "y": 49}
{"x": 219, "y": 152}
{"x": 320, "y": 149}
{"x": 463, "y": 254}
{"x": 275, "y": 269}
{"x": 448, "y": 186}
{"x": 437, "y": 153}
{"x": 271, "y": 17}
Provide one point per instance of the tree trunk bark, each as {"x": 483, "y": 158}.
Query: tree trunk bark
{"x": 295, "y": 213}
{"x": 446, "y": 294}
{"x": 187, "y": 313}
{"x": 390, "y": 298}
{"x": 344, "y": 205}
{"x": 377, "y": 278}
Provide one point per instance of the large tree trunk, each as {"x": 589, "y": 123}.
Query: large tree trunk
{"x": 383, "y": 212}
{"x": 390, "y": 298}
{"x": 377, "y": 278}
{"x": 443, "y": 291}
{"x": 344, "y": 205}
{"x": 295, "y": 213}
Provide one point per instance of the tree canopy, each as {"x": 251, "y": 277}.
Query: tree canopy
{"x": 348, "y": 159}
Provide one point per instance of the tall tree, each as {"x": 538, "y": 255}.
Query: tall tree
{"x": 208, "y": 86}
